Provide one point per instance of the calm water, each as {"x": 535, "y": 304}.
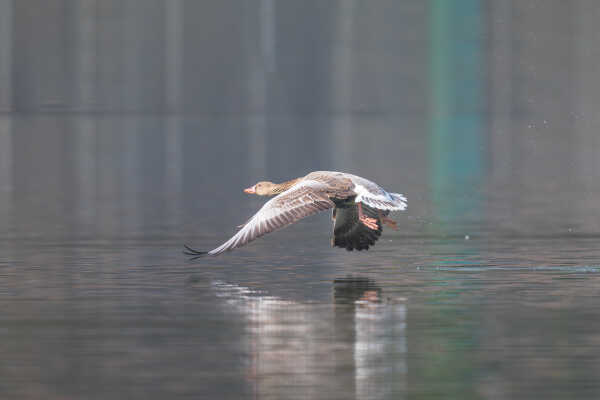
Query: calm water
{"x": 99, "y": 302}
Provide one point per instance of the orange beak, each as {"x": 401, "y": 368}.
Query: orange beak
{"x": 250, "y": 190}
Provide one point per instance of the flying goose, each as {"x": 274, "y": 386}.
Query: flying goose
{"x": 360, "y": 208}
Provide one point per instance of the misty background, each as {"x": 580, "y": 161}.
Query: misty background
{"x": 480, "y": 112}
{"x": 131, "y": 127}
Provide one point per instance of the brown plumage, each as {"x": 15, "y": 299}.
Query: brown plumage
{"x": 360, "y": 207}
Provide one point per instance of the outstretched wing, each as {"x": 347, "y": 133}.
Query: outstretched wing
{"x": 349, "y": 233}
{"x": 301, "y": 200}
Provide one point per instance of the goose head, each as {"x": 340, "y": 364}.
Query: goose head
{"x": 262, "y": 188}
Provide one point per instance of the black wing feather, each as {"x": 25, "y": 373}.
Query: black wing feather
{"x": 349, "y": 233}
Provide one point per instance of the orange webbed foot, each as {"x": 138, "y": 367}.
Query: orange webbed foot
{"x": 370, "y": 223}
{"x": 390, "y": 223}
{"x": 387, "y": 221}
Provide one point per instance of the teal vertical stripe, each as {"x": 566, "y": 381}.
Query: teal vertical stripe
{"x": 457, "y": 143}
{"x": 457, "y": 97}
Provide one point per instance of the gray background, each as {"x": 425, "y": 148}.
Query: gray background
{"x": 128, "y": 128}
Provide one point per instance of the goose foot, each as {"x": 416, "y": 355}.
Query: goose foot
{"x": 388, "y": 221}
{"x": 370, "y": 223}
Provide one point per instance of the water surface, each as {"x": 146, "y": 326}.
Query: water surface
{"x": 98, "y": 301}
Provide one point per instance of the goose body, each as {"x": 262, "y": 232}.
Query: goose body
{"x": 360, "y": 209}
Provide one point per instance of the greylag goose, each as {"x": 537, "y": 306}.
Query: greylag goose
{"x": 360, "y": 209}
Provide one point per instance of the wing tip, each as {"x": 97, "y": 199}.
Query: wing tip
{"x": 188, "y": 251}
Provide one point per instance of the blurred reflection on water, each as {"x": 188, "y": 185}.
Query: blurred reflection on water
{"x": 123, "y": 176}
{"x": 508, "y": 318}
{"x": 311, "y": 347}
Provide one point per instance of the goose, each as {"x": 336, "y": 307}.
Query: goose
{"x": 359, "y": 206}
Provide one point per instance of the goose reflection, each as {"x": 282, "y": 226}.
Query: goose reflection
{"x": 353, "y": 347}
{"x": 379, "y": 342}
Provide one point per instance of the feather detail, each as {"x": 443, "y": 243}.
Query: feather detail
{"x": 349, "y": 233}
{"x": 317, "y": 191}
{"x": 380, "y": 199}
{"x": 301, "y": 200}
